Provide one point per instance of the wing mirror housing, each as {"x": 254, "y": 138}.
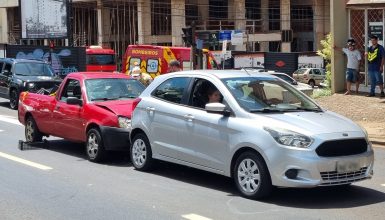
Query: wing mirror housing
{"x": 74, "y": 101}
{"x": 217, "y": 108}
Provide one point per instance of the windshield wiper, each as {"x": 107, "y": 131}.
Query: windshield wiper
{"x": 103, "y": 99}
{"x": 307, "y": 109}
{"x": 128, "y": 96}
{"x": 265, "y": 110}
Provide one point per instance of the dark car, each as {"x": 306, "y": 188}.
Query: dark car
{"x": 18, "y": 75}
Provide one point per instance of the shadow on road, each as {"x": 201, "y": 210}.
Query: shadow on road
{"x": 119, "y": 159}
{"x": 314, "y": 198}
{"x": 5, "y": 105}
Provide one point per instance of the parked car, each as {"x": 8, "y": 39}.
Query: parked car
{"x": 305, "y": 88}
{"x": 92, "y": 108}
{"x": 311, "y": 76}
{"x": 18, "y": 75}
{"x": 263, "y": 133}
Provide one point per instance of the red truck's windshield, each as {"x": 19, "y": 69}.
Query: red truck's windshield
{"x": 100, "y": 59}
{"x": 112, "y": 89}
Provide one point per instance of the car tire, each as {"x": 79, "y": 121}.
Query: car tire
{"x": 32, "y": 133}
{"x": 251, "y": 176}
{"x": 95, "y": 146}
{"x": 312, "y": 83}
{"x": 140, "y": 153}
{"x": 13, "y": 99}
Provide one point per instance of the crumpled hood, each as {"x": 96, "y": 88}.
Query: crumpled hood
{"x": 312, "y": 122}
{"x": 119, "y": 107}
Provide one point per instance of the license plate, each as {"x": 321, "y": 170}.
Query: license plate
{"x": 347, "y": 166}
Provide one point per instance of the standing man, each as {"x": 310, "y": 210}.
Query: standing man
{"x": 353, "y": 66}
{"x": 376, "y": 60}
{"x": 174, "y": 66}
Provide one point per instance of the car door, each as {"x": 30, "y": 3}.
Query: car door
{"x": 204, "y": 138}
{"x": 162, "y": 110}
{"x": 69, "y": 119}
{"x": 5, "y": 78}
{"x": 317, "y": 75}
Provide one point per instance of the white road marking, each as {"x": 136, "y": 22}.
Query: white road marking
{"x": 193, "y": 216}
{"x": 9, "y": 119}
{"x": 26, "y": 162}
{"x": 1, "y": 130}
{"x": 383, "y": 184}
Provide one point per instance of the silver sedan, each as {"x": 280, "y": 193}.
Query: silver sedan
{"x": 257, "y": 129}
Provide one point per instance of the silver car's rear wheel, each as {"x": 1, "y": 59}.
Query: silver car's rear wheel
{"x": 140, "y": 153}
{"x": 251, "y": 176}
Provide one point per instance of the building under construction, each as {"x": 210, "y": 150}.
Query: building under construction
{"x": 266, "y": 25}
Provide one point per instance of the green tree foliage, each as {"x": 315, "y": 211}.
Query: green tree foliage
{"x": 326, "y": 53}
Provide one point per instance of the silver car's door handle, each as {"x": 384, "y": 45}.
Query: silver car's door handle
{"x": 150, "y": 109}
{"x": 189, "y": 117}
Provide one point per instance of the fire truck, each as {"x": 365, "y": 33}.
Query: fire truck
{"x": 100, "y": 59}
{"x": 154, "y": 60}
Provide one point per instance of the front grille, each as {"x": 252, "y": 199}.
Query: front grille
{"x": 334, "y": 178}
{"x": 344, "y": 147}
{"x": 44, "y": 85}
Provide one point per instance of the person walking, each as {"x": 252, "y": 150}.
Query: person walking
{"x": 376, "y": 60}
{"x": 353, "y": 66}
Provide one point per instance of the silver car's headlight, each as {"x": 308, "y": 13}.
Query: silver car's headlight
{"x": 124, "y": 122}
{"x": 289, "y": 138}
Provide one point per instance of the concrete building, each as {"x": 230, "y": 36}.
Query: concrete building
{"x": 117, "y": 23}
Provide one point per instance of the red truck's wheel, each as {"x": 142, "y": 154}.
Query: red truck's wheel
{"x": 32, "y": 133}
{"x": 94, "y": 145}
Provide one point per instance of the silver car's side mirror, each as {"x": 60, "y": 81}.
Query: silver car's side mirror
{"x": 217, "y": 108}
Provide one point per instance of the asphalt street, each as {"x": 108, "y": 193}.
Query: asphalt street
{"x": 57, "y": 182}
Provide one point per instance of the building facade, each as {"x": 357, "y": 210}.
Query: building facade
{"x": 118, "y": 23}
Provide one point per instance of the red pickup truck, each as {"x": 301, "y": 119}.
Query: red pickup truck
{"x": 92, "y": 108}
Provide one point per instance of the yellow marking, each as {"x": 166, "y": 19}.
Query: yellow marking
{"x": 195, "y": 217}
{"x": 25, "y": 162}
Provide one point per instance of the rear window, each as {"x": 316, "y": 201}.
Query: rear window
{"x": 101, "y": 59}
{"x": 300, "y": 71}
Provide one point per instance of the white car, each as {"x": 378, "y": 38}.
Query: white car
{"x": 258, "y": 130}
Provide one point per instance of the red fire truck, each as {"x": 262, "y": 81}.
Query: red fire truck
{"x": 100, "y": 59}
{"x": 154, "y": 60}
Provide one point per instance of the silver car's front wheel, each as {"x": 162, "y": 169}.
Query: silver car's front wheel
{"x": 251, "y": 176}
{"x": 140, "y": 152}
{"x": 248, "y": 176}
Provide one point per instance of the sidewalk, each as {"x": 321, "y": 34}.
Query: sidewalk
{"x": 369, "y": 112}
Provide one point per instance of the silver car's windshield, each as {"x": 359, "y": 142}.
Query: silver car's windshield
{"x": 265, "y": 94}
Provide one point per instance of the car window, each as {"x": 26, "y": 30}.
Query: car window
{"x": 33, "y": 69}
{"x": 8, "y": 67}
{"x": 300, "y": 71}
{"x": 1, "y": 66}
{"x": 172, "y": 90}
{"x": 284, "y": 77}
{"x": 316, "y": 72}
{"x": 204, "y": 92}
{"x": 71, "y": 89}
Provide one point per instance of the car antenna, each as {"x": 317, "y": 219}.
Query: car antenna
{"x": 243, "y": 68}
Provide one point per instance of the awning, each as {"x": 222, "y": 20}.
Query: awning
{"x": 365, "y": 2}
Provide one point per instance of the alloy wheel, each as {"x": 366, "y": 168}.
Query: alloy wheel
{"x": 92, "y": 145}
{"x": 29, "y": 131}
{"x": 139, "y": 152}
{"x": 248, "y": 175}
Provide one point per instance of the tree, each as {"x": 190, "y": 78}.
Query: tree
{"x": 326, "y": 53}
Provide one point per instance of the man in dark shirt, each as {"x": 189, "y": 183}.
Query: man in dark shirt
{"x": 376, "y": 59}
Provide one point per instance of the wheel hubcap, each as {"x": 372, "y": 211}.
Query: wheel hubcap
{"x": 139, "y": 152}
{"x": 248, "y": 176}
{"x": 29, "y": 131}
{"x": 92, "y": 145}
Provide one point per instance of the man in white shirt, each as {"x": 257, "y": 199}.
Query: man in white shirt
{"x": 353, "y": 66}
